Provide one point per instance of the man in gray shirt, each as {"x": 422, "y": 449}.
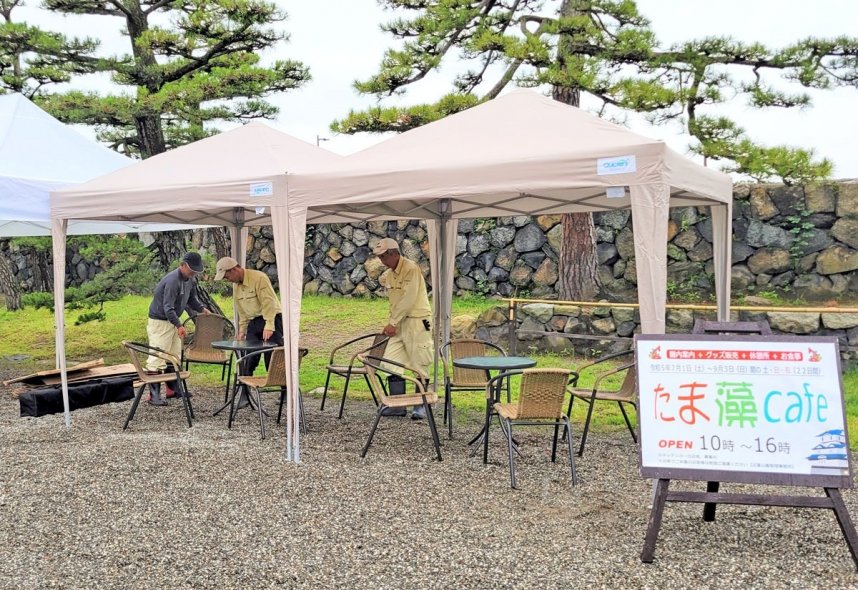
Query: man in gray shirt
{"x": 175, "y": 293}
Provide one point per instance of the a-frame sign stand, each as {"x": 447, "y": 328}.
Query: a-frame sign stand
{"x": 832, "y": 501}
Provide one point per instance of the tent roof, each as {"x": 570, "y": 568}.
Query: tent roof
{"x": 39, "y": 154}
{"x": 210, "y": 181}
{"x": 36, "y": 147}
{"x": 522, "y": 153}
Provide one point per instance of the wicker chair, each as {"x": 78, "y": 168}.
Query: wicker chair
{"x": 274, "y": 380}
{"x": 138, "y": 352}
{"x": 338, "y": 366}
{"x": 458, "y": 379}
{"x": 626, "y": 394}
{"x": 540, "y": 403}
{"x": 202, "y": 330}
{"x": 421, "y": 397}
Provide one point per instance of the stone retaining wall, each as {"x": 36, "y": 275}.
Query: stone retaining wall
{"x": 590, "y": 330}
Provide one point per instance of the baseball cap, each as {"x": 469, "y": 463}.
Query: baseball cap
{"x": 194, "y": 261}
{"x": 384, "y": 245}
{"x": 223, "y": 265}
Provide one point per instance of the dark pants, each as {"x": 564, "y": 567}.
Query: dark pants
{"x": 254, "y": 332}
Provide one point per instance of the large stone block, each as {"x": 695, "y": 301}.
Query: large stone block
{"x": 846, "y": 230}
{"x": 837, "y": 259}
{"x": 847, "y": 199}
{"x": 762, "y": 206}
{"x": 529, "y": 239}
{"x": 770, "y": 261}
{"x": 820, "y": 198}
{"x": 839, "y": 321}
{"x": 794, "y": 322}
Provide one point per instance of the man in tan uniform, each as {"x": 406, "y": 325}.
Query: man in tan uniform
{"x": 408, "y": 324}
{"x": 259, "y": 316}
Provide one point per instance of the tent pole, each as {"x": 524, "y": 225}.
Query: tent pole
{"x": 59, "y": 227}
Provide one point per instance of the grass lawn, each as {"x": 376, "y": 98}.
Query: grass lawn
{"x": 325, "y": 322}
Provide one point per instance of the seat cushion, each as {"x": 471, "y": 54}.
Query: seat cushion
{"x": 206, "y": 355}
{"x": 253, "y": 381}
{"x": 404, "y": 401}
{"x": 160, "y": 378}
{"x": 616, "y": 396}
{"x": 343, "y": 369}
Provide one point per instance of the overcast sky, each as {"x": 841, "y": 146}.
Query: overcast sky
{"x": 340, "y": 41}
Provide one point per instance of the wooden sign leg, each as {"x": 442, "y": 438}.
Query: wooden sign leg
{"x": 846, "y": 526}
{"x": 658, "y": 500}
{"x": 709, "y": 508}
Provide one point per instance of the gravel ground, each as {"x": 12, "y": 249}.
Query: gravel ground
{"x": 164, "y": 506}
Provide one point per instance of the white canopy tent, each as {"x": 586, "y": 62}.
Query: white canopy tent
{"x": 237, "y": 179}
{"x": 521, "y": 154}
{"x": 38, "y": 154}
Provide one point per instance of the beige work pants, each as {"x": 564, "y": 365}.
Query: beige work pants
{"x": 412, "y": 346}
{"x": 163, "y": 335}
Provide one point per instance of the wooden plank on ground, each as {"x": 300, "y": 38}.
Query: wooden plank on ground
{"x": 38, "y": 378}
{"x": 94, "y": 373}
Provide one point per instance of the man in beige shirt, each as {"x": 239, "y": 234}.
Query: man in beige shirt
{"x": 408, "y": 324}
{"x": 259, "y": 316}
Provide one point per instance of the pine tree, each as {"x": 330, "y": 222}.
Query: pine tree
{"x": 603, "y": 50}
{"x": 191, "y": 63}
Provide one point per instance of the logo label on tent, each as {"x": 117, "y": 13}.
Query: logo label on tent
{"x": 618, "y": 165}
{"x": 615, "y": 192}
{"x": 261, "y": 189}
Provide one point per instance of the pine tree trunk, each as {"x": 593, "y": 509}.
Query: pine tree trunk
{"x": 219, "y": 238}
{"x": 579, "y": 274}
{"x": 170, "y": 246}
{"x": 206, "y": 299}
{"x": 578, "y": 267}
{"x": 9, "y": 286}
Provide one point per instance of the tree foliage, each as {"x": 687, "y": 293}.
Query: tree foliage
{"x": 32, "y": 59}
{"x": 607, "y": 51}
{"x": 190, "y": 63}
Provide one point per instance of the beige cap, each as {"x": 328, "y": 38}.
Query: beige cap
{"x": 384, "y": 245}
{"x": 223, "y": 265}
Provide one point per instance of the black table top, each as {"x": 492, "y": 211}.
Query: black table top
{"x": 243, "y": 345}
{"x": 494, "y": 363}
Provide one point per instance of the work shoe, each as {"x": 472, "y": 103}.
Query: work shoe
{"x": 418, "y": 413}
{"x": 155, "y": 399}
{"x": 396, "y": 412}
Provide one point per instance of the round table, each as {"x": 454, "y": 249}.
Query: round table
{"x": 494, "y": 363}
{"x": 489, "y": 364}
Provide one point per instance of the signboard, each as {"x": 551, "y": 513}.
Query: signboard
{"x": 751, "y": 409}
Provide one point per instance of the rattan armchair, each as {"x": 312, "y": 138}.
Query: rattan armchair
{"x": 375, "y": 368}
{"x": 202, "y": 330}
{"x": 459, "y": 379}
{"x": 625, "y": 394}
{"x": 339, "y": 366}
{"x": 540, "y": 403}
{"x": 274, "y": 380}
{"x": 138, "y": 353}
